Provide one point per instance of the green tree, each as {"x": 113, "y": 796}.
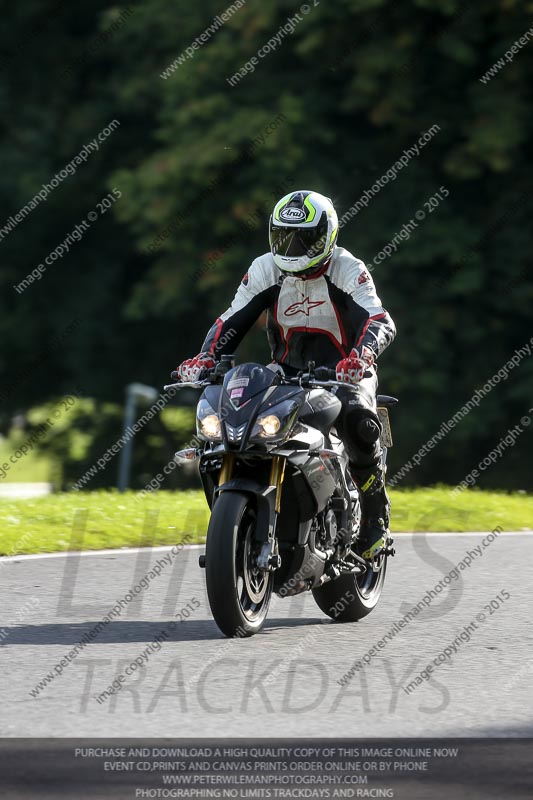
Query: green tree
{"x": 332, "y": 107}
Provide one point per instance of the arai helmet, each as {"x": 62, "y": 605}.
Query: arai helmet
{"x": 303, "y": 231}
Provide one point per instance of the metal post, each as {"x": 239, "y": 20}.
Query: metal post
{"x": 134, "y": 392}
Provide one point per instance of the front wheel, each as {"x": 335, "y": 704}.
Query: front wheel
{"x": 351, "y": 597}
{"x": 239, "y": 592}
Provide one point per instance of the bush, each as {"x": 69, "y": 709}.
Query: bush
{"x": 76, "y": 431}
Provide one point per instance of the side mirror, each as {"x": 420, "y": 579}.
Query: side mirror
{"x": 224, "y": 365}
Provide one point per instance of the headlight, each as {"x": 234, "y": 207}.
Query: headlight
{"x": 270, "y": 425}
{"x": 210, "y": 426}
{"x": 274, "y": 427}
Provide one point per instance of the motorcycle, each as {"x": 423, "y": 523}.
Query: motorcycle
{"x": 285, "y": 513}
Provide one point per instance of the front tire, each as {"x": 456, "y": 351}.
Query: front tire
{"x": 239, "y": 593}
{"x": 351, "y": 597}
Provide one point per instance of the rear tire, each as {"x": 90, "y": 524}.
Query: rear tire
{"x": 351, "y": 597}
{"x": 239, "y": 593}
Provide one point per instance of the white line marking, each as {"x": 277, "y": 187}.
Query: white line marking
{"x": 164, "y": 548}
{"x": 112, "y": 552}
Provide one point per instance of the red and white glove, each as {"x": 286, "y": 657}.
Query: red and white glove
{"x": 191, "y": 369}
{"x": 352, "y": 368}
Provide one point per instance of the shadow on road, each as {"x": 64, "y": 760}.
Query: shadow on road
{"x": 132, "y": 631}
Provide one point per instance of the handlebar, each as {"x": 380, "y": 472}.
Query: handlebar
{"x": 187, "y": 385}
{"x": 322, "y": 377}
{"x": 325, "y": 374}
{"x": 319, "y": 377}
{"x": 207, "y": 378}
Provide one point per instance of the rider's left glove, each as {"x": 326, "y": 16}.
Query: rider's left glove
{"x": 352, "y": 368}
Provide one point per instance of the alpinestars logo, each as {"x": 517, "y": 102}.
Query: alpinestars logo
{"x": 303, "y": 307}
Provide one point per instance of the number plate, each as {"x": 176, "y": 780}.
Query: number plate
{"x": 386, "y": 435}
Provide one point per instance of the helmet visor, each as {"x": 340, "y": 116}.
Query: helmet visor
{"x": 293, "y": 242}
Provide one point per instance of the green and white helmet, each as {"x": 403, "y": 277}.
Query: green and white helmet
{"x": 303, "y": 231}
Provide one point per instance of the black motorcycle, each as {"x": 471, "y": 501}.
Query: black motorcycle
{"x": 285, "y": 513}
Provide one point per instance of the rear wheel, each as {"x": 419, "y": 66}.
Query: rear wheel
{"x": 351, "y": 597}
{"x": 239, "y": 592}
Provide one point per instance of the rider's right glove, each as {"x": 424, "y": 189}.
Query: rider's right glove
{"x": 191, "y": 370}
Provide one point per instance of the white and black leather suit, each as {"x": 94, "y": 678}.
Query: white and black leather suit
{"x": 319, "y": 318}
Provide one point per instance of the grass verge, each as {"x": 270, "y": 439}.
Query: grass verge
{"x": 107, "y": 519}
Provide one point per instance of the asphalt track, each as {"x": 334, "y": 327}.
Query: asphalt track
{"x": 199, "y": 684}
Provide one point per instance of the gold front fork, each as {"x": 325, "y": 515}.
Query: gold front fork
{"x": 227, "y": 469}
{"x": 277, "y": 472}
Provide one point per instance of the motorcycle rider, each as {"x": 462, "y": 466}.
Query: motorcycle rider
{"x": 322, "y": 306}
